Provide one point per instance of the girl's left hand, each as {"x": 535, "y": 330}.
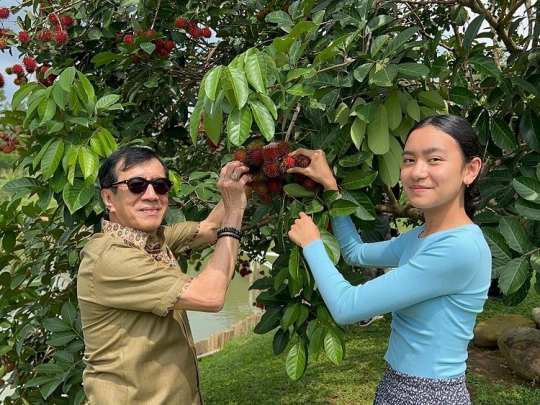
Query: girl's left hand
{"x": 304, "y": 231}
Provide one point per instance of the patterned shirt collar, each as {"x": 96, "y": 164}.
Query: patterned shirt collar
{"x": 130, "y": 236}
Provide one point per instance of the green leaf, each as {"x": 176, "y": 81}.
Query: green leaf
{"x": 528, "y": 188}
{"x": 280, "y": 341}
{"x": 343, "y": 207}
{"x": 294, "y": 260}
{"x": 60, "y": 97}
{"x": 105, "y": 102}
{"x": 269, "y": 320}
{"x": 69, "y": 313}
{"x": 514, "y": 234}
{"x": 239, "y": 85}
{"x": 331, "y": 245}
{"x": 365, "y": 210}
{"x": 105, "y": 58}
{"x": 462, "y": 96}
{"x": 401, "y": 39}
{"x": 212, "y": 83}
{"x": 239, "y": 125}
{"x": 46, "y": 109}
{"x": 502, "y": 135}
{"x": 514, "y": 275}
{"x": 358, "y": 131}
{"x": 291, "y": 314}
{"x": 529, "y": 127}
{"x": 296, "y": 190}
{"x": 385, "y": 77}
{"x": 486, "y": 66}
{"x": 390, "y": 163}
{"x": 213, "y": 124}
{"x": 56, "y": 325}
{"x": 432, "y": 99}
{"x": 528, "y": 209}
{"x": 281, "y": 19}
{"x": 358, "y": 179}
{"x": 148, "y": 47}
{"x": 296, "y": 362}
{"x": 21, "y": 94}
{"x": 264, "y": 120}
{"x": 61, "y": 338}
{"x": 52, "y": 158}
{"x": 87, "y": 86}
{"x": 413, "y": 110}
{"x": 66, "y": 78}
{"x": 77, "y": 195}
{"x": 256, "y": 70}
{"x": 378, "y": 135}
{"x": 88, "y": 162}
{"x": 334, "y": 347}
{"x": 393, "y": 110}
{"x": 361, "y": 72}
{"x": 24, "y": 185}
{"x": 414, "y": 70}
{"x": 195, "y": 121}
{"x": 472, "y": 31}
{"x": 497, "y": 244}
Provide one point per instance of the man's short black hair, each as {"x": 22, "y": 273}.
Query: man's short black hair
{"x": 130, "y": 156}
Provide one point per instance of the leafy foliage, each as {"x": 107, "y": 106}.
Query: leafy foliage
{"x": 350, "y": 77}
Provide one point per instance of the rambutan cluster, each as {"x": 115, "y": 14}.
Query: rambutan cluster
{"x": 163, "y": 47}
{"x": 268, "y": 165}
{"x": 192, "y": 28}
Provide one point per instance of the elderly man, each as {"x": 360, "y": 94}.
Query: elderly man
{"x": 133, "y": 294}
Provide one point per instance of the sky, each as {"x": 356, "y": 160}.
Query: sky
{"x": 5, "y": 58}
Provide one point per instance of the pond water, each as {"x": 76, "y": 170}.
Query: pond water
{"x": 238, "y": 306}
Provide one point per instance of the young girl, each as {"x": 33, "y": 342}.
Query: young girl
{"x": 442, "y": 268}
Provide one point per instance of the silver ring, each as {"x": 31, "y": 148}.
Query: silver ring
{"x": 234, "y": 176}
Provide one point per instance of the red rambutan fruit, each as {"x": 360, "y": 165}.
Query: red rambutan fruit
{"x": 289, "y": 162}
{"x": 67, "y": 21}
{"x": 310, "y": 184}
{"x": 3, "y": 44}
{"x": 128, "y": 39}
{"x": 240, "y": 155}
{"x": 274, "y": 187}
{"x": 272, "y": 169}
{"x": 169, "y": 45}
{"x": 4, "y": 13}
{"x": 2, "y": 81}
{"x": 53, "y": 19}
{"x": 180, "y": 23}
{"x": 260, "y": 189}
{"x": 271, "y": 152}
{"x": 267, "y": 198}
{"x": 61, "y": 37}
{"x": 24, "y": 37}
{"x": 302, "y": 161}
{"x": 18, "y": 70}
{"x": 206, "y": 32}
{"x": 30, "y": 64}
{"x": 44, "y": 36}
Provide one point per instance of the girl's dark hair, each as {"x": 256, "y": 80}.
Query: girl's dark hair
{"x": 129, "y": 157}
{"x": 464, "y": 134}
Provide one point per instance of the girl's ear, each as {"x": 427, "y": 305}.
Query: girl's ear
{"x": 472, "y": 170}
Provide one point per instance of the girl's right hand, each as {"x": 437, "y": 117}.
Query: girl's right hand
{"x": 318, "y": 170}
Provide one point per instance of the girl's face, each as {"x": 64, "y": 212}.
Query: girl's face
{"x": 433, "y": 173}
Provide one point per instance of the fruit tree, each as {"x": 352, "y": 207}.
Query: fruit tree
{"x": 205, "y": 81}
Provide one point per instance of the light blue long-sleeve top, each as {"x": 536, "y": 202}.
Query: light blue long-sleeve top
{"x": 435, "y": 292}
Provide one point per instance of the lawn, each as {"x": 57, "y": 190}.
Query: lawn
{"x": 246, "y": 371}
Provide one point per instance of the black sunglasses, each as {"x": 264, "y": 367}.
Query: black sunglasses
{"x": 138, "y": 185}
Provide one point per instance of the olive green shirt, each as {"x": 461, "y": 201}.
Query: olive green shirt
{"x": 138, "y": 351}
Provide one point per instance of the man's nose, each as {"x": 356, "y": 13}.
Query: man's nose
{"x": 150, "y": 193}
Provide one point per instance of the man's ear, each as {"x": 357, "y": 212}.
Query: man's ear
{"x": 106, "y": 195}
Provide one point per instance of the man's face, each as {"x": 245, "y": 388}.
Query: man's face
{"x": 144, "y": 211}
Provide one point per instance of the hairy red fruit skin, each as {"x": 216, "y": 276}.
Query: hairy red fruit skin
{"x": 24, "y": 37}
{"x": 4, "y": 13}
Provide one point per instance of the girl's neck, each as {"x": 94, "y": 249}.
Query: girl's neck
{"x": 438, "y": 223}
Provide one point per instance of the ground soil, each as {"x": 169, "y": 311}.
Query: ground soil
{"x": 491, "y": 365}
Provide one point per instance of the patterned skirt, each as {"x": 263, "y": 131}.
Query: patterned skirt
{"x": 398, "y": 388}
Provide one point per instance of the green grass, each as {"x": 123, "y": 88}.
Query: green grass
{"x": 247, "y": 372}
